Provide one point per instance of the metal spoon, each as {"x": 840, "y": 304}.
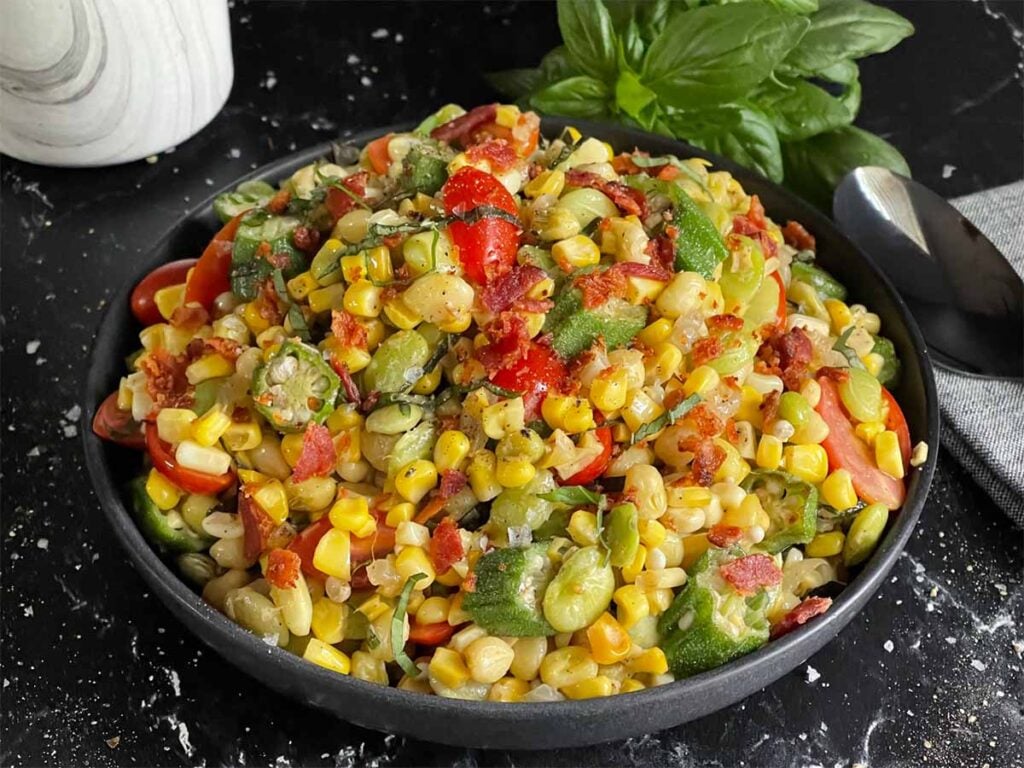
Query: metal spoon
{"x": 962, "y": 291}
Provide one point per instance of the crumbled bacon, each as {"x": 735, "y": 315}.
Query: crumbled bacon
{"x": 283, "y": 568}
{"x": 662, "y": 250}
{"x": 452, "y": 481}
{"x": 347, "y": 330}
{"x": 624, "y": 165}
{"x": 838, "y": 375}
{"x": 279, "y": 260}
{"x": 190, "y": 317}
{"x": 808, "y": 608}
{"x": 446, "y": 545}
{"x": 787, "y": 355}
{"x": 751, "y": 573}
{"x": 707, "y": 458}
{"x": 599, "y": 286}
{"x": 770, "y": 407}
{"x": 498, "y": 152}
{"x": 267, "y": 305}
{"x": 653, "y": 271}
{"x": 279, "y": 201}
{"x": 306, "y": 239}
{"x": 166, "y": 382}
{"x": 626, "y": 199}
{"x": 317, "y": 456}
{"x": 257, "y": 525}
{"x": 707, "y": 422}
{"x": 464, "y": 125}
{"x": 509, "y": 341}
{"x": 226, "y": 348}
{"x": 502, "y": 293}
{"x": 797, "y": 236}
{"x": 768, "y": 246}
{"x": 706, "y": 349}
{"x": 722, "y": 323}
{"x": 741, "y": 225}
{"x": 722, "y": 535}
{"x": 756, "y": 213}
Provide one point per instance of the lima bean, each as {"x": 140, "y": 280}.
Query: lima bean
{"x": 580, "y": 592}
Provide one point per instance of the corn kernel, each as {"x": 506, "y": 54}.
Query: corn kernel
{"x": 652, "y": 662}
{"x": 609, "y": 643}
{"x": 631, "y": 571}
{"x": 374, "y": 607}
{"x": 378, "y": 264}
{"x": 291, "y": 448}
{"x": 658, "y": 598}
{"x": 769, "y": 452}
{"x": 242, "y": 436}
{"x": 591, "y": 688}
{"x": 252, "y": 317}
{"x": 400, "y": 513}
{"x": 643, "y": 290}
{"x": 640, "y": 409}
{"x": 507, "y": 115}
{"x": 344, "y": 418}
{"x": 888, "y": 455}
{"x": 609, "y": 389}
{"x": 575, "y": 252}
{"x": 174, "y": 424}
{"x": 547, "y": 183}
{"x": 664, "y": 364}
{"x": 363, "y": 299}
{"x": 631, "y": 605}
{"x": 413, "y": 560}
{"x": 327, "y": 656}
{"x": 503, "y": 417}
{"x": 352, "y": 514}
{"x": 808, "y": 462}
{"x": 428, "y": 382}
{"x": 209, "y": 367}
{"x": 451, "y": 450}
{"x": 211, "y": 461}
{"x": 273, "y": 498}
{"x": 332, "y": 554}
{"x": 354, "y": 268}
{"x": 162, "y": 491}
{"x": 657, "y": 332}
{"x": 869, "y": 430}
{"x": 839, "y": 314}
{"x": 694, "y": 546}
{"x": 701, "y": 381}
{"x": 353, "y": 358}
{"x": 401, "y": 314}
{"x": 433, "y": 610}
{"x": 300, "y": 286}
{"x": 874, "y": 363}
{"x": 514, "y": 473}
{"x": 482, "y": 474}
{"x": 652, "y": 533}
{"x": 688, "y": 495}
{"x": 750, "y": 406}
{"x": 825, "y": 544}
{"x": 211, "y": 426}
{"x": 630, "y": 685}
{"x": 837, "y": 490}
{"x": 582, "y": 527}
{"x": 746, "y": 514}
{"x": 416, "y": 479}
{"x": 734, "y": 468}
{"x": 327, "y": 298}
{"x": 448, "y": 668}
{"x": 508, "y": 689}
{"x": 328, "y": 622}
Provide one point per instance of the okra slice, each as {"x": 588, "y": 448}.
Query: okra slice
{"x": 508, "y": 591}
{"x": 167, "y": 531}
{"x": 791, "y": 504}
{"x": 294, "y": 387}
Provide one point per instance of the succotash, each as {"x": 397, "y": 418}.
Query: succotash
{"x": 481, "y": 414}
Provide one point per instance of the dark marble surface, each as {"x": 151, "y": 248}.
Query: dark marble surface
{"x": 96, "y": 672}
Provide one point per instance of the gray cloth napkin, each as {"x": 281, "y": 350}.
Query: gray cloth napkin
{"x": 983, "y": 420}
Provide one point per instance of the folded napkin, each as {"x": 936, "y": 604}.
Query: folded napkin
{"x": 983, "y": 419}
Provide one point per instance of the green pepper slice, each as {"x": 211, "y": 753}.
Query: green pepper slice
{"x": 791, "y": 504}
{"x": 167, "y": 531}
{"x": 247, "y": 195}
{"x": 508, "y": 590}
{"x": 710, "y": 623}
{"x": 294, "y": 387}
{"x": 822, "y": 281}
{"x": 249, "y": 271}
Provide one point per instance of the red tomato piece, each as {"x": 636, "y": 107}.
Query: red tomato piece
{"x": 847, "y": 451}
{"x": 446, "y": 545}
{"x": 211, "y": 277}
{"x": 896, "y": 422}
{"x": 339, "y": 202}
{"x": 487, "y": 248}
{"x": 186, "y": 479}
{"x": 257, "y": 526}
{"x": 143, "y": 305}
{"x": 304, "y": 545}
{"x": 117, "y": 426}
{"x": 536, "y": 373}
{"x": 430, "y": 634}
{"x": 377, "y": 154}
{"x": 377, "y": 544}
{"x": 596, "y": 468}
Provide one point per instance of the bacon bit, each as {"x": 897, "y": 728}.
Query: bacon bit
{"x": 770, "y": 407}
{"x": 838, "y": 375}
{"x": 722, "y": 535}
{"x": 768, "y": 246}
{"x": 707, "y": 458}
{"x": 498, "y": 295}
{"x": 395, "y": 240}
{"x": 706, "y": 349}
{"x": 283, "y": 568}
{"x": 446, "y": 545}
{"x": 797, "y": 236}
{"x": 599, "y": 286}
{"x": 166, "y": 382}
{"x": 808, "y": 608}
{"x": 707, "y": 422}
{"x": 722, "y": 323}
{"x": 624, "y": 165}
{"x": 338, "y": 202}
{"x": 464, "y": 125}
{"x": 347, "y": 330}
{"x": 369, "y": 402}
{"x": 317, "y": 457}
{"x": 788, "y": 355}
{"x": 741, "y": 225}
{"x": 190, "y": 317}
{"x": 732, "y": 434}
{"x": 498, "y": 152}
{"x": 751, "y": 573}
{"x": 226, "y": 348}
{"x": 279, "y": 201}
{"x": 756, "y": 213}
{"x": 306, "y": 239}
{"x": 653, "y": 271}
{"x": 469, "y": 583}
{"x": 533, "y": 305}
{"x": 668, "y": 172}
{"x": 267, "y": 305}
{"x": 452, "y": 481}
{"x": 257, "y": 525}
{"x": 535, "y": 170}
{"x": 662, "y": 250}
{"x": 626, "y": 199}
{"x": 351, "y": 390}
{"x": 509, "y": 341}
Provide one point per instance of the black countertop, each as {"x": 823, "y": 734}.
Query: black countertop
{"x": 96, "y": 672}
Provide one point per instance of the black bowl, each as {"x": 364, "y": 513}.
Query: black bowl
{"x": 518, "y": 726}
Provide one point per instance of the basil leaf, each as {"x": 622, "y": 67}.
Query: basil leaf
{"x": 847, "y": 352}
{"x": 814, "y": 166}
{"x": 515, "y": 83}
{"x": 580, "y": 96}
{"x": 740, "y": 133}
{"x": 796, "y": 6}
{"x": 799, "y": 110}
{"x": 621, "y": 13}
{"x": 716, "y": 54}
{"x": 632, "y": 45}
{"x": 589, "y": 37}
{"x": 844, "y": 72}
{"x": 651, "y": 17}
{"x": 671, "y": 416}
{"x": 398, "y": 627}
{"x": 634, "y": 98}
{"x": 847, "y": 29}
{"x": 573, "y": 495}
{"x": 556, "y": 65}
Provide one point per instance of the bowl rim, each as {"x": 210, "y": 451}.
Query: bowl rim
{"x": 747, "y": 673}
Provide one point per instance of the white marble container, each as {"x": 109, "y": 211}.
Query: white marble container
{"x": 100, "y": 82}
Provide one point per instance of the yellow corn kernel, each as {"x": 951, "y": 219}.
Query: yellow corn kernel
{"x": 327, "y": 298}
{"x": 450, "y": 450}
{"x": 273, "y": 498}
{"x": 328, "y": 623}
{"x": 399, "y": 313}
{"x": 363, "y": 299}
{"x": 448, "y": 668}
{"x": 888, "y": 455}
{"x": 413, "y": 560}
{"x": 609, "y": 389}
{"x": 251, "y": 315}
{"x": 631, "y": 605}
{"x": 559, "y": 224}
{"x": 251, "y": 476}
{"x": 747, "y": 513}
{"x": 508, "y": 689}
{"x": 769, "y": 452}
{"x": 643, "y": 290}
{"x": 416, "y": 479}
{"x": 750, "y": 405}
{"x": 333, "y": 555}
{"x": 351, "y": 514}
{"x": 652, "y": 533}
{"x": 300, "y": 286}
{"x": 591, "y": 688}
{"x": 701, "y": 381}
{"x": 457, "y": 324}
{"x": 428, "y": 382}
{"x": 658, "y": 598}
{"x": 664, "y": 364}
{"x": 433, "y": 610}
{"x": 400, "y": 513}
{"x": 344, "y": 418}
{"x": 162, "y": 491}
{"x": 514, "y": 473}
{"x": 174, "y": 424}
{"x": 694, "y": 546}
{"x": 734, "y": 468}
{"x": 327, "y": 656}
{"x": 209, "y": 367}
{"x": 547, "y": 183}
{"x": 291, "y": 448}
{"x": 504, "y": 417}
{"x": 837, "y": 490}
{"x": 808, "y": 462}
{"x": 353, "y": 358}
{"x": 242, "y": 436}
{"x": 507, "y": 115}
{"x": 354, "y": 268}
{"x": 630, "y": 685}
{"x": 374, "y": 607}
{"x": 482, "y": 474}
{"x": 657, "y": 332}
{"x": 652, "y": 662}
{"x": 631, "y": 571}
{"x": 575, "y": 252}
{"x": 169, "y": 299}
{"x": 582, "y": 527}
{"x": 825, "y": 544}
{"x": 378, "y": 264}
{"x": 874, "y": 362}
{"x": 868, "y": 431}
{"x": 211, "y": 426}
{"x": 688, "y": 495}
{"x": 640, "y": 409}
{"x": 839, "y": 314}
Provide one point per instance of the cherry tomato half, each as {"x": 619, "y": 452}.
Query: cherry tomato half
{"x": 377, "y": 154}
{"x": 211, "y": 277}
{"x": 596, "y": 468}
{"x": 487, "y": 248}
{"x": 186, "y": 479}
{"x": 117, "y": 426}
{"x": 534, "y": 374}
{"x": 430, "y": 634}
{"x": 847, "y": 451}
{"x": 143, "y": 304}
{"x": 362, "y": 549}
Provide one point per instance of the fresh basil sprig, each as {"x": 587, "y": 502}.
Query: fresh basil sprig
{"x": 573, "y": 495}
{"x": 671, "y": 416}
{"x": 771, "y": 84}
